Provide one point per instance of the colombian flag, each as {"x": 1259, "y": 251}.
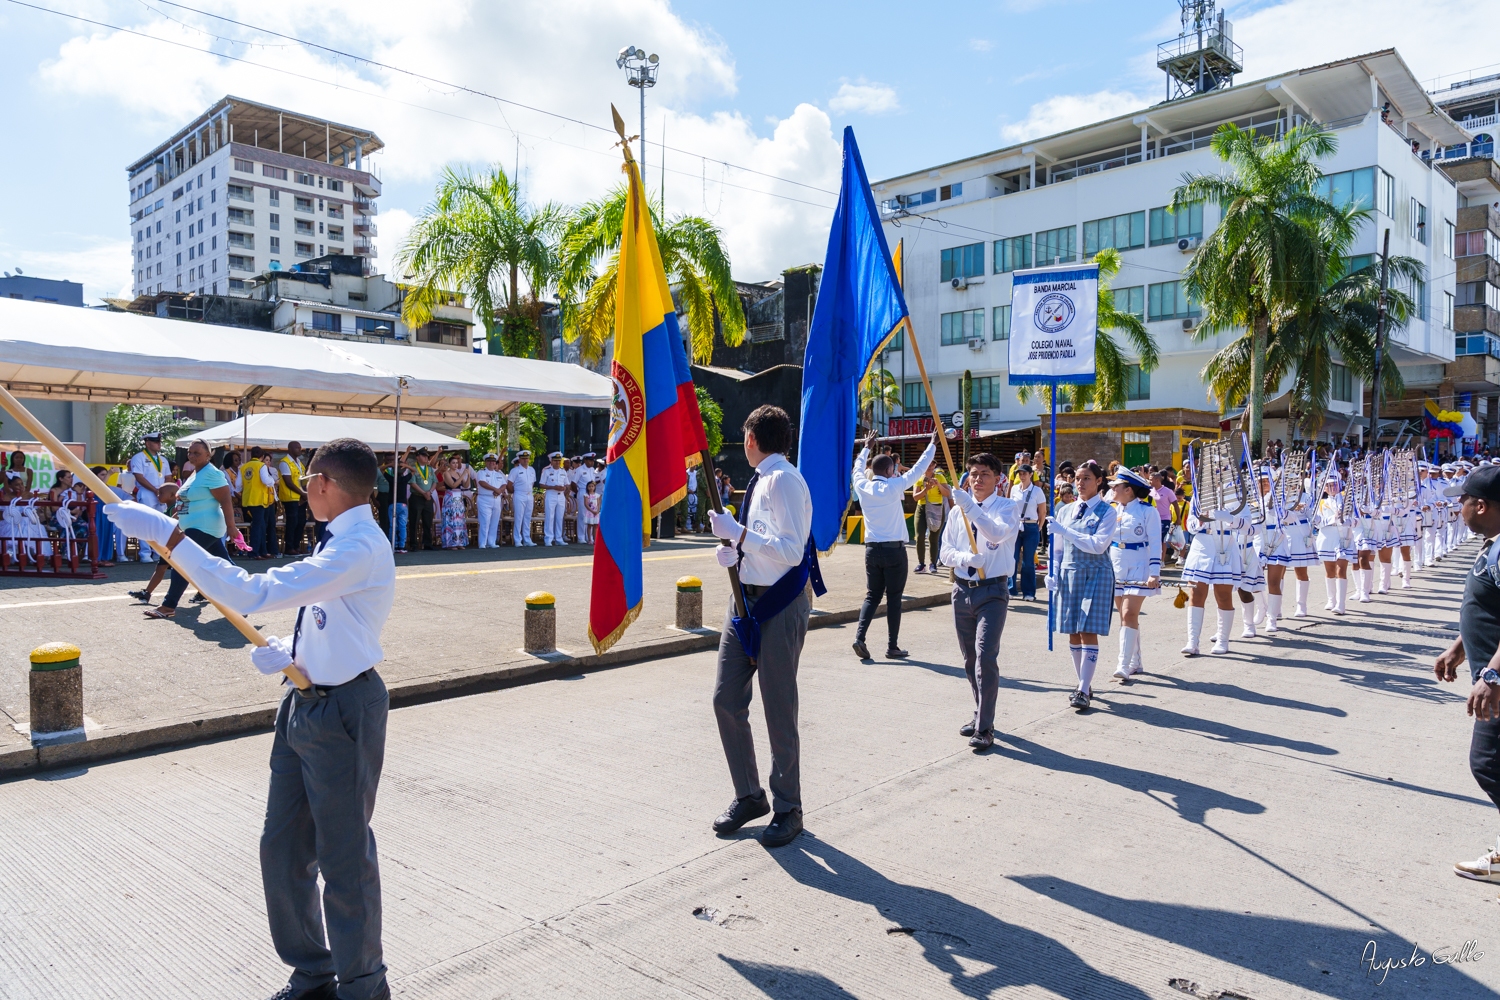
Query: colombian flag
{"x": 655, "y": 432}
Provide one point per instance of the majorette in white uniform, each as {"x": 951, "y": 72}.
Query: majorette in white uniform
{"x": 1334, "y": 543}
{"x": 1429, "y": 513}
{"x": 1135, "y": 555}
{"x": 1215, "y": 557}
{"x": 1286, "y": 541}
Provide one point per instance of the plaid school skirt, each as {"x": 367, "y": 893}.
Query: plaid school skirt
{"x": 1086, "y": 596}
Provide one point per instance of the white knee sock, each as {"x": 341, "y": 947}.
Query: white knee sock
{"x": 1086, "y": 669}
{"x": 1077, "y": 652}
{"x": 1195, "y": 627}
{"x": 1130, "y": 639}
{"x": 1302, "y": 588}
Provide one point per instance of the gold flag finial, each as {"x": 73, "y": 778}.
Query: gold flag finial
{"x": 625, "y": 140}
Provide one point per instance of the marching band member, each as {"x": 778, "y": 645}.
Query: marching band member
{"x": 1287, "y": 541}
{"x": 1214, "y": 560}
{"x": 1135, "y": 555}
{"x": 1429, "y": 507}
{"x": 1408, "y": 536}
{"x": 1252, "y": 585}
{"x": 1082, "y": 575}
{"x": 1334, "y": 545}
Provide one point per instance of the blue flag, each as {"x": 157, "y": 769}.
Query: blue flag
{"x": 859, "y": 305}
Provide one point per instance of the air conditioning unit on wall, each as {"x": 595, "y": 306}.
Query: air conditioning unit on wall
{"x": 1189, "y": 243}
{"x": 976, "y": 343}
{"x": 959, "y": 284}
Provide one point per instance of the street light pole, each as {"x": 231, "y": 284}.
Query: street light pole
{"x": 640, "y": 72}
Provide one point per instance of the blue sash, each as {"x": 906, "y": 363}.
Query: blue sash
{"x": 777, "y": 598}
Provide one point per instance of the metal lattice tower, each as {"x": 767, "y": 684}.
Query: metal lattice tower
{"x": 1204, "y": 56}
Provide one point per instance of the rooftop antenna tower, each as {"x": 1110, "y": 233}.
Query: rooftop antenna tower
{"x": 1203, "y": 57}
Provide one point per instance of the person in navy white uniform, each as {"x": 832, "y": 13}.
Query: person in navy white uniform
{"x": 1135, "y": 555}
{"x": 768, "y": 542}
{"x": 1286, "y": 540}
{"x": 1082, "y": 576}
{"x": 1214, "y": 560}
{"x": 979, "y": 542}
{"x": 1334, "y": 544}
{"x": 329, "y": 745}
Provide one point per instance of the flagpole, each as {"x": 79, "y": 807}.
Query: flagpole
{"x": 911, "y": 338}
{"x": 717, "y": 503}
{"x": 1052, "y": 511}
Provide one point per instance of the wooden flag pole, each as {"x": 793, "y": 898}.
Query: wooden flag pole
{"x": 711, "y": 481}
{"x": 937, "y": 421}
{"x": 86, "y": 475}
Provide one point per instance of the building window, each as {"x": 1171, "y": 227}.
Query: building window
{"x": 336, "y": 234}
{"x": 1169, "y": 227}
{"x": 958, "y": 327}
{"x": 1385, "y": 193}
{"x": 898, "y": 339}
{"x": 1001, "y": 323}
{"x": 1137, "y": 384}
{"x": 304, "y": 227}
{"x": 241, "y": 192}
{"x": 950, "y": 191}
{"x": 1419, "y": 222}
{"x": 1169, "y": 300}
{"x": 916, "y": 199}
{"x": 243, "y": 216}
{"x": 1012, "y": 254}
{"x": 239, "y": 263}
{"x": 244, "y": 166}
{"x": 331, "y": 322}
{"x": 1123, "y": 232}
{"x": 236, "y": 284}
{"x": 370, "y": 326}
{"x": 244, "y": 240}
{"x": 334, "y": 185}
{"x": 179, "y": 260}
{"x": 304, "y": 249}
{"x": 1342, "y": 384}
{"x": 1449, "y": 238}
{"x": 302, "y": 204}
{"x": 1476, "y": 243}
{"x": 275, "y": 220}
{"x": 1056, "y": 246}
{"x": 279, "y": 173}
{"x": 454, "y": 334}
{"x": 1131, "y": 300}
{"x": 276, "y": 244}
{"x": 986, "y": 392}
{"x": 914, "y": 398}
{"x": 275, "y": 196}
{"x": 335, "y": 210}
{"x": 1419, "y": 295}
{"x": 1349, "y": 187}
{"x": 305, "y": 179}
{"x": 1448, "y": 310}
{"x": 963, "y": 262}
{"x": 1476, "y": 293}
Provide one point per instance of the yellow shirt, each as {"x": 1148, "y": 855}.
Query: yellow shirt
{"x": 285, "y": 493}
{"x": 256, "y": 493}
{"x": 931, "y": 494}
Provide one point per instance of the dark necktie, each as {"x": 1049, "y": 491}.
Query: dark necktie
{"x": 297, "y": 632}
{"x": 749, "y": 492}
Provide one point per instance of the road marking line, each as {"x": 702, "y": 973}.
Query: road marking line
{"x": 75, "y": 600}
{"x": 522, "y": 569}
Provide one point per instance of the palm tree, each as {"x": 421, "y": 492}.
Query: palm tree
{"x": 480, "y": 238}
{"x": 1340, "y": 320}
{"x": 691, "y": 254}
{"x": 880, "y": 387}
{"x": 1266, "y": 256}
{"x": 1110, "y": 361}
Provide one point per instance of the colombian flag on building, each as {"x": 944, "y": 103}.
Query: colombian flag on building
{"x": 655, "y": 432}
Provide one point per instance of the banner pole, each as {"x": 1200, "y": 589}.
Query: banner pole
{"x": 81, "y": 471}
{"x": 911, "y": 338}
{"x": 711, "y": 483}
{"x": 1052, "y": 511}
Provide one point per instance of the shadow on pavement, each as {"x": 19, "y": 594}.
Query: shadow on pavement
{"x": 1316, "y": 957}
{"x": 782, "y": 982}
{"x": 1222, "y": 731}
{"x": 1192, "y": 801}
{"x": 1218, "y": 690}
{"x": 954, "y": 936}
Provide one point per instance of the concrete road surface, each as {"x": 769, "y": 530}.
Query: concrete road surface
{"x": 1271, "y": 823}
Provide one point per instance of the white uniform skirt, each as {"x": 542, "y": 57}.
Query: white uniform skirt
{"x": 1410, "y": 529}
{"x": 1334, "y": 542}
{"x": 1132, "y": 566}
{"x": 1374, "y": 533}
{"x": 1252, "y": 570}
{"x": 1291, "y": 544}
{"x": 1216, "y": 556}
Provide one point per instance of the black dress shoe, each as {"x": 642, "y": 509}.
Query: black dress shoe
{"x": 1078, "y": 700}
{"x": 982, "y": 740}
{"x": 328, "y": 991}
{"x": 740, "y": 812}
{"x": 895, "y": 653}
{"x": 967, "y": 729}
{"x": 783, "y": 829}
{"x": 861, "y": 650}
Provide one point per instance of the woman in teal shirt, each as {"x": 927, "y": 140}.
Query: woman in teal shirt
{"x": 206, "y": 515}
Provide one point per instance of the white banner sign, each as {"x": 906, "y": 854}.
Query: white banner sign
{"x": 1054, "y": 318}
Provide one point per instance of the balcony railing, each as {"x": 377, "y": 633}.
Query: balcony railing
{"x": 1465, "y": 150}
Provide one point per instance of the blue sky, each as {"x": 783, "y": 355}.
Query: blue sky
{"x": 766, "y": 85}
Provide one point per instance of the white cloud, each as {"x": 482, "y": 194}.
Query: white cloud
{"x": 392, "y": 226}
{"x": 103, "y": 266}
{"x": 864, "y": 98}
{"x": 981, "y": 44}
{"x": 1058, "y": 114}
{"x": 558, "y": 54}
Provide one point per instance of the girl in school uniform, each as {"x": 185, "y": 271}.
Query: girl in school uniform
{"x": 1334, "y": 545}
{"x": 1135, "y": 557}
{"x": 1082, "y": 576}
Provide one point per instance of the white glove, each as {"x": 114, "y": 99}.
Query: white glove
{"x": 1049, "y": 523}
{"x": 139, "y": 521}
{"x": 724, "y": 525}
{"x": 272, "y": 658}
{"x": 1211, "y": 515}
{"x": 727, "y": 555}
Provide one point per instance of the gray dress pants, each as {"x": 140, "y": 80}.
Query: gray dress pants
{"x": 780, "y": 649}
{"x": 979, "y": 618}
{"x": 325, "y": 767}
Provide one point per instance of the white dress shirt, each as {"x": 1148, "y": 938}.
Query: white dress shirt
{"x": 995, "y": 522}
{"x": 777, "y": 522}
{"x": 147, "y": 468}
{"x": 1030, "y": 498}
{"x": 348, "y": 586}
{"x": 490, "y": 477}
{"x": 523, "y": 478}
{"x": 554, "y": 477}
{"x": 880, "y": 497}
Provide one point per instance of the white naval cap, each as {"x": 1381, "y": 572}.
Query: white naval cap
{"x": 555, "y": 454}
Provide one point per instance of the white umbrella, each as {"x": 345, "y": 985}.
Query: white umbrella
{"x": 274, "y": 430}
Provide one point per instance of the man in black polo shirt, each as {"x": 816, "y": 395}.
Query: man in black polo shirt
{"x": 1479, "y": 643}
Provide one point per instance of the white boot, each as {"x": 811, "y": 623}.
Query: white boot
{"x": 1302, "y": 588}
{"x": 1366, "y": 585}
{"x": 1340, "y": 595}
{"x": 1195, "y": 629}
{"x": 1135, "y": 660}
{"x": 1130, "y": 639}
{"x": 1385, "y": 579}
{"x": 1221, "y": 635}
{"x": 1333, "y": 595}
{"x": 1273, "y": 612}
{"x": 1248, "y": 613}
{"x": 1260, "y": 606}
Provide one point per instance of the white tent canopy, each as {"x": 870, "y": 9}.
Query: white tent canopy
{"x": 274, "y": 430}
{"x": 51, "y": 352}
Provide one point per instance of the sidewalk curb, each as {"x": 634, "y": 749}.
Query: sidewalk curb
{"x": 116, "y": 744}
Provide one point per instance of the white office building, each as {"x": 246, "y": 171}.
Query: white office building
{"x": 247, "y": 188}
{"x": 966, "y": 225}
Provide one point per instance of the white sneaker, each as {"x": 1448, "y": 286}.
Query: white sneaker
{"x": 1485, "y": 869}
{"x": 1121, "y": 675}
{"x": 1220, "y": 647}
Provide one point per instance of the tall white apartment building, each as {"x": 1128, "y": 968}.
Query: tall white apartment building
{"x": 247, "y": 188}
{"x": 967, "y": 225}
